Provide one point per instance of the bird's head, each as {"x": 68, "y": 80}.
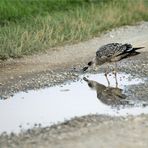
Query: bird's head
{"x": 91, "y": 84}
{"x": 92, "y": 63}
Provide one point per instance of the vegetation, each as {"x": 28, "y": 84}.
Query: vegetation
{"x": 30, "y": 26}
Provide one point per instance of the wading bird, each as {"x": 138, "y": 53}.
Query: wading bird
{"x": 107, "y": 95}
{"x": 112, "y": 52}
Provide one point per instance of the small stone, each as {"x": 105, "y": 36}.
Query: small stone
{"x": 11, "y": 78}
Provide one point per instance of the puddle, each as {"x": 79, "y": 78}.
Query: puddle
{"x": 55, "y": 104}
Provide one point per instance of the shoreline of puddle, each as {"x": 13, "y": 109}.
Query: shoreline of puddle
{"x": 56, "y": 104}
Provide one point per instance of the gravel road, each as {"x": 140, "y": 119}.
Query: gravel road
{"x": 56, "y": 66}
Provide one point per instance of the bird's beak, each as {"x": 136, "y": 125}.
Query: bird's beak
{"x": 85, "y": 68}
{"x": 85, "y": 79}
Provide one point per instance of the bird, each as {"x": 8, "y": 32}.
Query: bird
{"x": 112, "y": 52}
{"x": 107, "y": 95}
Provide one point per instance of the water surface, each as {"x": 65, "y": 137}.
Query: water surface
{"x": 55, "y": 104}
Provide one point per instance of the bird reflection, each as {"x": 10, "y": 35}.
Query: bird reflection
{"x": 107, "y": 95}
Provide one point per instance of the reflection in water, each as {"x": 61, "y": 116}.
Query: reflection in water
{"x": 108, "y": 95}
{"x": 51, "y": 105}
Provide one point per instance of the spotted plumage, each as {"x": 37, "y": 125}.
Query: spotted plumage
{"x": 107, "y": 95}
{"x": 112, "y": 52}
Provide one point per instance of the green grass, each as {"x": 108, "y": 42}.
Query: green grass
{"x": 31, "y": 26}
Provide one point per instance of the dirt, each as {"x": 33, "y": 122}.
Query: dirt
{"x": 57, "y": 66}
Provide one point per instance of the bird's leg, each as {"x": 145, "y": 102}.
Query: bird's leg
{"x": 115, "y": 73}
{"x": 107, "y": 79}
{"x": 106, "y": 73}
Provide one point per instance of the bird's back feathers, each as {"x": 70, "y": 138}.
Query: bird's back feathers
{"x": 115, "y": 49}
{"x": 113, "y": 52}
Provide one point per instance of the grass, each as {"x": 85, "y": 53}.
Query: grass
{"x": 31, "y": 26}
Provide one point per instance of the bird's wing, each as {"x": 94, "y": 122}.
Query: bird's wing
{"x": 125, "y": 48}
{"x": 107, "y": 50}
{"x": 113, "y": 49}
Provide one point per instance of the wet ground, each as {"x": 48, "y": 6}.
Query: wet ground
{"x": 37, "y": 92}
{"x": 62, "y": 102}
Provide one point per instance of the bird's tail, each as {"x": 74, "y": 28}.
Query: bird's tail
{"x": 86, "y": 67}
{"x": 136, "y": 48}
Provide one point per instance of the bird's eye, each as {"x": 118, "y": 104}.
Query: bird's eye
{"x": 90, "y": 63}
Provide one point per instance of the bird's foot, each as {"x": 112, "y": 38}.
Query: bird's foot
{"x": 114, "y": 72}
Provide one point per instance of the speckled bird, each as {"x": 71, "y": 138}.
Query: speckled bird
{"x": 107, "y": 95}
{"x": 112, "y": 52}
